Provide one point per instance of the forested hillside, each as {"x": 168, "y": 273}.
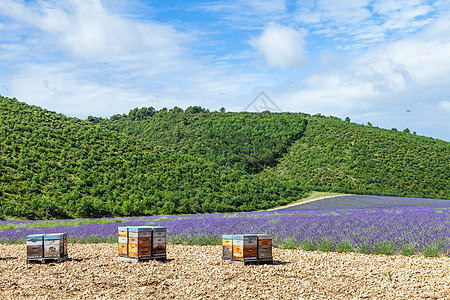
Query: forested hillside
{"x": 247, "y": 141}
{"x": 55, "y": 166}
{"x": 327, "y": 154}
{"x": 339, "y": 156}
{"x": 193, "y": 161}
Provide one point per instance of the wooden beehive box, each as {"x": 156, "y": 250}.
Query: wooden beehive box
{"x": 35, "y": 246}
{"x": 265, "y": 247}
{"x": 245, "y": 247}
{"x": 55, "y": 245}
{"x": 123, "y": 241}
{"x": 159, "y": 242}
{"x": 227, "y": 247}
{"x": 140, "y": 242}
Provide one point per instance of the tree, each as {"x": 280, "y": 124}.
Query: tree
{"x": 92, "y": 119}
{"x": 195, "y": 109}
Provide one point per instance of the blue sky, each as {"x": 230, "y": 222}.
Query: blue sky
{"x": 386, "y": 62}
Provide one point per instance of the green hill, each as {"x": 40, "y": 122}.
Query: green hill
{"x": 55, "y": 166}
{"x": 320, "y": 153}
{"x": 193, "y": 161}
{"x": 337, "y": 156}
{"x": 246, "y": 141}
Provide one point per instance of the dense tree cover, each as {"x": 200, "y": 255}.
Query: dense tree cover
{"x": 345, "y": 157}
{"x": 247, "y": 141}
{"x": 195, "y": 161}
{"x": 52, "y": 166}
{"x": 329, "y": 155}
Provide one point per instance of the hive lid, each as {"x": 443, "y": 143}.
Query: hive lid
{"x": 244, "y": 236}
{"x": 159, "y": 229}
{"x": 265, "y": 236}
{"x": 35, "y": 237}
{"x": 227, "y": 236}
{"x": 54, "y": 236}
{"x": 139, "y": 228}
{"x": 122, "y": 228}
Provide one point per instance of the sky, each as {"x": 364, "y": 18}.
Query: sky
{"x": 386, "y": 62}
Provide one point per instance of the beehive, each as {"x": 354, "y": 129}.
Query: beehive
{"x": 35, "y": 246}
{"x": 245, "y": 248}
{"x": 265, "y": 247}
{"x": 140, "y": 242}
{"x": 55, "y": 245}
{"x": 159, "y": 242}
{"x": 123, "y": 241}
{"x": 227, "y": 247}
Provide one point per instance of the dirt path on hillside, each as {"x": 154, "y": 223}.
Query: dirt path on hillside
{"x": 306, "y": 201}
{"x": 197, "y": 272}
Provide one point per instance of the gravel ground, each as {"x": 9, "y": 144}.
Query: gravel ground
{"x": 197, "y": 272}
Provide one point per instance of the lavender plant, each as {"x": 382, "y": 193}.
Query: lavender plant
{"x": 390, "y": 229}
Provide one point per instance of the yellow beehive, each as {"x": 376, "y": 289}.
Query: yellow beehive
{"x": 227, "y": 247}
{"x": 142, "y": 243}
{"x": 245, "y": 248}
{"x": 123, "y": 241}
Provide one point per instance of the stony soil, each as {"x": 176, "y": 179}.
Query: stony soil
{"x": 197, "y": 272}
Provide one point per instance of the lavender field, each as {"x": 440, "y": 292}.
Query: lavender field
{"x": 366, "y": 224}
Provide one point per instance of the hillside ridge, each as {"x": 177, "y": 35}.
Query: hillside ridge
{"x": 326, "y": 154}
{"x": 52, "y": 166}
{"x": 343, "y": 157}
{"x": 195, "y": 161}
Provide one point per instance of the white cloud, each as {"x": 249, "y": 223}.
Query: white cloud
{"x": 445, "y": 105}
{"x": 248, "y": 12}
{"x": 100, "y": 91}
{"x": 78, "y": 58}
{"x": 399, "y": 83}
{"x": 63, "y": 88}
{"x": 330, "y": 94}
{"x": 94, "y": 32}
{"x": 282, "y": 46}
{"x": 364, "y": 23}
{"x": 87, "y": 30}
{"x": 264, "y": 6}
{"x": 87, "y": 57}
{"x": 343, "y": 12}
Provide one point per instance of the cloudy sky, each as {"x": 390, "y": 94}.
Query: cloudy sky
{"x": 386, "y": 62}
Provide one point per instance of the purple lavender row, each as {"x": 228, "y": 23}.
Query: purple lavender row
{"x": 364, "y": 230}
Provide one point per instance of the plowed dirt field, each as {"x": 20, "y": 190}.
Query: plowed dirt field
{"x": 197, "y": 272}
